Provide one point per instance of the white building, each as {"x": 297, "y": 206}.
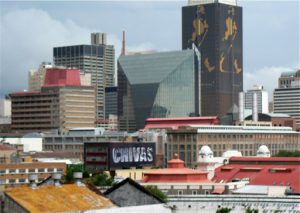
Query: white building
{"x": 262, "y": 99}
{"x": 5, "y": 111}
{"x": 286, "y": 97}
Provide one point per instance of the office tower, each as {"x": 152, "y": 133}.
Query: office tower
{"x": 287, "y": 96}
{"x": 97, "y": 59}
{"x": 262, "y": 99}
{"x": 36, "y": 77}
{"x": 162, "y": 84}
{"x": 215, "y": 27}
{"x": 111, "y": 101}
{"x": 63, "y": 103}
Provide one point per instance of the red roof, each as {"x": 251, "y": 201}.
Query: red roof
{"x": 175, "y": 123}
{"x": 62, "y": 77}
{"x": 265, "y": 159}
{"x": 183, "y": 118}
{"x": 260, "y": 171}
{"x": 176, "y": 173}
{"x": 4, "y": 147}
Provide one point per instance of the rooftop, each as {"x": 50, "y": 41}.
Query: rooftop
{"x": 62, "y": 77}
{"x": 65, "y": 198}
{"x": 272, "y": 171}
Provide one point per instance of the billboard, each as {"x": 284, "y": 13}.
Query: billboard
{"x": 100, "y": 156}
{"x": 131, "y": 154}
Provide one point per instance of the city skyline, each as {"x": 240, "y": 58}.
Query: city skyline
{"x": 267, "y": 25}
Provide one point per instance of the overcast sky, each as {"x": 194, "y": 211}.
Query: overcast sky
{"x": 29, "y": 31}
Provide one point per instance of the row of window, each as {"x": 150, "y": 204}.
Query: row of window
{"x": 20, "y": 171}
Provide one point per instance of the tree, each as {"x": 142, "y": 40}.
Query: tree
{"x": 285, "y": 153}
{"x": 155, "y": 191}
{"x": 101, "y": 179}
{"x": 223, "y": 210}
{"x": 249, "y": 210}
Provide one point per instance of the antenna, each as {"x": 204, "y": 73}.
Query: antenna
{"x": 123, "y": 44}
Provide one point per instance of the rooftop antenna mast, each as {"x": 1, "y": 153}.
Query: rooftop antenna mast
{"x": 123, "y": 44}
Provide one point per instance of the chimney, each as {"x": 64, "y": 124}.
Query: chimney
{"x": 123, "y": 44}
{"x": 32, "y": 180}
{"x": 254, "y": 108}
{"x": 77, "y": 176}
{"x": 241, "y": 106}
{"x": 56, "y": 178}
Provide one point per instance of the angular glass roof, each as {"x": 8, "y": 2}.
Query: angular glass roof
{"x": 152, "y": 68}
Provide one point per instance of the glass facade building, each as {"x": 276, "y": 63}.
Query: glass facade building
{"x": 157, "y": 85}
{"x": 97, "y": 59}
{"x": 216, "y": 29}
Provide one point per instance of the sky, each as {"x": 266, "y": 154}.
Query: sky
{"x": 30, "y": 29}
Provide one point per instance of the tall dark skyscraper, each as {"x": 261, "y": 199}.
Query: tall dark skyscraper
{"x": 216, "y": 29}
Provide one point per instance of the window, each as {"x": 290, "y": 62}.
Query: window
{"x": 2, "y": 171}
{"x": 31, "y": 170}
{"x": 60, "y": 169}
{"x": 41, "y": 170}
{"x": 12, "y": 181}
{"x": 50, "y": 169}
{"x": 12, "y": 171}
{"x": 21, "y": 170}
{"x": 21, "y": 180}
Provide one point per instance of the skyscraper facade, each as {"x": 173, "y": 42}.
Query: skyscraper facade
{"x": 216, "y": 29}
{"x": 157, "y": 85}
{"x": 262, "y": 99}
{"x": 61, "y": 104}
{"x": 97, "y": 59}
{"x": 287, "y": 96}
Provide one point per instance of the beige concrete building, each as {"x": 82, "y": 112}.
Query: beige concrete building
{"x": 36, "y": 77}
{"x": 12, "y": 174}
{"x": 61, "y": 104}
{"x": 187, "y": 141}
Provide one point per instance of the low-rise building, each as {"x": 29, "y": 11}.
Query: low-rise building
{"x": 6, "y": 153}
{"x": 187, "y": 141}
{"x": 15, "y": 174}
{"x": 267, "y": 171}
{"x": 54, "y": 198}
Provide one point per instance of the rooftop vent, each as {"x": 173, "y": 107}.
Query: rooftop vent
{"x": 32, "y": 180}
{"x": 56, "y": 178}
{"x": 77, "y": 176}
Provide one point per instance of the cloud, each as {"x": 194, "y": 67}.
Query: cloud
{"x": 266, "y": 76}
{"x": 27, "y": 39}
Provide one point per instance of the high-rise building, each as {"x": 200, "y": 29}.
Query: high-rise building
{"x": 111, "y": 101}
{"x": 63, "y": 103}
{"x": 98, "y": 59}
{"x": 215, "y": 27}
{"x": 262, "y": 99}
{"x": 162, "y": 84}
{"x": 286, "y": 97}
{"x": 36, "y": 77}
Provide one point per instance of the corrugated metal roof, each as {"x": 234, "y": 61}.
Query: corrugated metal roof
{"x": 65, "y": 198}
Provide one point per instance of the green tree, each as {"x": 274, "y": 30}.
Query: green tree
{"x": 223, "y": 210}
{"x": 249, "y": 210}
{"x": 101, "y": 179}
{"x": 285, "y": 153}
{"x": 155, "y": 191}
